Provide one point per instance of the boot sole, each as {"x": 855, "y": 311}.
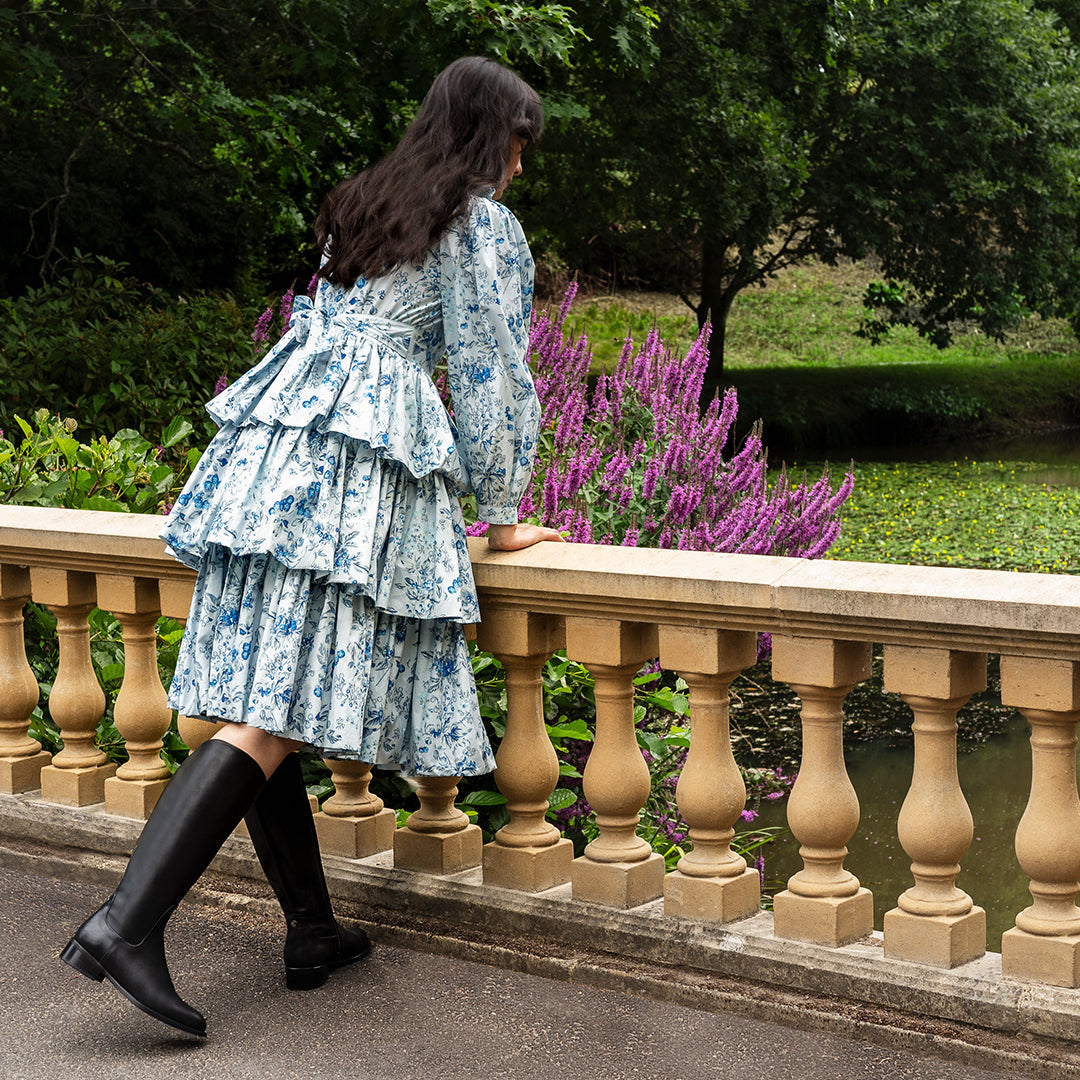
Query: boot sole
{"x": 311, "y": 978}
{"x": 75, "y": 956}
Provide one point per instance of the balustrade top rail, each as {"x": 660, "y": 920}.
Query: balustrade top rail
{"x": 1027, "y": 614}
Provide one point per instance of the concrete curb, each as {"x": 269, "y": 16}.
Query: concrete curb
{"x": 971, "y": 1015}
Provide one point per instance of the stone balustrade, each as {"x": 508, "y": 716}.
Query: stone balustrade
{"x": 614, "y": 609}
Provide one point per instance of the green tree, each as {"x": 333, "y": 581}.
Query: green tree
{"x": 193, "y": 139}
{"x": 959, "y": 161}
{"x": 942, "y": 135}
{"x": 695, "y": 171}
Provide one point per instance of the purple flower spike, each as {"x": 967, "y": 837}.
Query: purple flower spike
{"x": 635, "y": 460}
{"x": 286, "y": 309}
{"x": 262, "y": 327}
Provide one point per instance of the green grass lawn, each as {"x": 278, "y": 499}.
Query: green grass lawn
{"x": 807, "y": 318}
{"x": 793, "y": 354}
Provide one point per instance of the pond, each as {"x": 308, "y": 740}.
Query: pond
{"x": 1055, "y": 455}
{"x": 995, "y": 775}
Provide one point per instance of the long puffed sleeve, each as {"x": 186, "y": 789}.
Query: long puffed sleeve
{"x": 487, "y": 285}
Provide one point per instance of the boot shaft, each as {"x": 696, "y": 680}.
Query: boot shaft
{"x": 200, "y": 806}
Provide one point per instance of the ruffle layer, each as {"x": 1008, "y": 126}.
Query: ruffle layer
{"x": 325, "y": 502}
{"x": 353, "y": 374}
{"x": 300, "y": 657}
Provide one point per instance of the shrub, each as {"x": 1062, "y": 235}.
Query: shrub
{"x": 48, "y": 466}
{"x": 43, "y": 464}
{"x": 116, "y": 353}
{"x": 631, "y": 458}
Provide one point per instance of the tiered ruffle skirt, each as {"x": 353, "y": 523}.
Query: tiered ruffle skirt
{"x": 333, "y": 570}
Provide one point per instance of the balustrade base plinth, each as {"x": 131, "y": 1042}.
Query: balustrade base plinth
{"x": 23, "y": 773}
{"x": 823, "y": 920}
{"x": 1035, "y": 958}
{"x": 439, "y": 853}
{"x": 75, "y": 787}
{"x": 132, "y": 798}
{"x": 618, "y": 884}
{"x": 717, "y": 899}
{"x": 356, "y": 837}
{"x": 528, "y": 869}
{"x": 944, "y": 941}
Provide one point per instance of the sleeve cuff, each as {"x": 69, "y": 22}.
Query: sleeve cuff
{"x": 496, "y": 515}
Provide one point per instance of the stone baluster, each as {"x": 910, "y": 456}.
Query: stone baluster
{"x": 78, "y": 773}
{"x": 711, "y": 881}
{"x": 528, "y": 853}
{"x": 141, "y": 712}
{"x": 1044, "y": 945}
{"x": 438, "y": 838}
{"x": 194, "y": 730}
{"x": 934, "y": 922}
{"x": 823, "y": 903}
{"x": 618, "y": 868}
{"x": 21, "y": 758}
{"x": 354, "y": 822}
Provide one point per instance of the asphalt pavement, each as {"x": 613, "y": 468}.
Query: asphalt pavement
{"x": 401, "y": 1015}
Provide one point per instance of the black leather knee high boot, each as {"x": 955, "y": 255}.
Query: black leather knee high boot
{"x": 283, "y": 834}
{"x": 123, "y": 941}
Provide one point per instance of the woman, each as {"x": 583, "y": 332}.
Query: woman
{"x": 323, "y": 520}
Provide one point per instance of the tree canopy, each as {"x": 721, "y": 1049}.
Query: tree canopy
{"x": 693, "y": 145}
{"x": 193, "y": 139}
{"x": 942, "y": 136}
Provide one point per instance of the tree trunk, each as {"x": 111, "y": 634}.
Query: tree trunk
{"x": 716, "y": 300}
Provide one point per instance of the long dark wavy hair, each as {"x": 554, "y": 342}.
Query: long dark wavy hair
{"x": 458, "y": 144}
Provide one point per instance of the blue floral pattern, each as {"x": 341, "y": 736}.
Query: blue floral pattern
{"x": 323, "y": 518}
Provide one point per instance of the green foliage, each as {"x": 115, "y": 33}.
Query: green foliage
{"x": 48, "y": 466}
{"x": 195, "y": 141}
{"x": 117, "y": 353}
{"x": 697, "y": 147}
{"x": 958, "y": 163}
{"x": 539, "y": 32}
{"x": 694, "y": 170}
{"x": 942, "y": 404}
{"x": 45, "y": 465}
{"x": 943, "y": 137}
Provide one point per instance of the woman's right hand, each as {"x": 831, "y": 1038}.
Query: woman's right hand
{"x": 519, "y": 536}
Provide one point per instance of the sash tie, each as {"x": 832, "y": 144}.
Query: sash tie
{"x": 396, "y": 334}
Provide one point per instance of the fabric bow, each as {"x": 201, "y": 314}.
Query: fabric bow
{"x": 398, "y": 335}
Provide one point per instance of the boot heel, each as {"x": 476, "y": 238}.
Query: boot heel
{"x": 309, "y": 978}
{"x": 74, "y": 955}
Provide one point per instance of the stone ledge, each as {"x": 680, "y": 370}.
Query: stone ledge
{"x": 969, "y": 1014}
{"x": 1021, "y": 614}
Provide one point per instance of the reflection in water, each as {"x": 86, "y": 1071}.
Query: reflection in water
{"x": 1053, "y": 475}
{"x": 995, "y": 779}
{"x": 1057, "y": 450}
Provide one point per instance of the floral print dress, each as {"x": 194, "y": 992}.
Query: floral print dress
{"x": 323, "y": 519}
